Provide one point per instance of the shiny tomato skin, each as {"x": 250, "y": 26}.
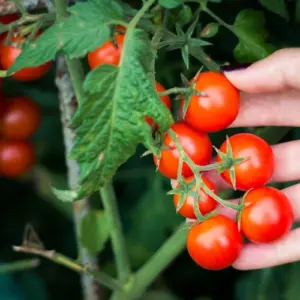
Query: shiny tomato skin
{"x": 206, "y": 203}
{"x": 267, "y": 216}
{"x": 257, "y": 169}
{"x": 21, "y": 118}
{"x": 218, "y": 109}
{"x": 8, "y": 55}
{"x": 197, "y": 146}
{"x": 165, "y": 99}
{"x": 107, "y": 53}
{"x": 215, "y": 244}
{"x": 16, "y": 158}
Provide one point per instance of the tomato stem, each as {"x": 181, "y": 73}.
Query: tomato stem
{"x": 65, "y": 261}
{"x": 196, "y": 170}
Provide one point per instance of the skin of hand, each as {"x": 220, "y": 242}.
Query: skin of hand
{"x": 270, "y": 96}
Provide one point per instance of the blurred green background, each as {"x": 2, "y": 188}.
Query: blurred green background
{"x": 147, "y": 212}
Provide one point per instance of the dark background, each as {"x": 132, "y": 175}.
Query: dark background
{"x": 147, "y": 213}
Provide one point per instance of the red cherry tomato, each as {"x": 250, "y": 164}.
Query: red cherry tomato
{"x": 16, "y": 158}
{"x": 267, "y": 215}
{"x": 21, "y": 118}
{"x": 257, "y": 168}
{"x": 165, "y": 99}
{"x": 108, "y": 53}
{"x": 215, "y": 244}
{"x": 206, "y": 203}
{"x": 218, "y": 109}
{"x": 8, "y": 55}
{"x": 197, "y": 145}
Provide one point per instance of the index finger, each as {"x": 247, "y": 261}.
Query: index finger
{"x": 277, "y": 72}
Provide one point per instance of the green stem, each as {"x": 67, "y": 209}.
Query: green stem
{"x": 158, "y": 262}
{"x": 77, "y": 77}
{"x": 20, "y": 7}
{"x": 199, "y": 54}
{"x": 141, "y": 13}
{"x": 219, "y": 20}
{"x": 174, "y": 90}
{"x": 117, "y": 238}
{"x": 69, "y": 263}
{"x": 20, "y": 265}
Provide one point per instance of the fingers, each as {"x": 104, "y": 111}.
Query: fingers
{"x": 268, "y": 255}
{"x": 277, "y": 72}
{"x": 287, "y": 165}
{"x": 292, "y": 192}
{"x": 271, "y": 109}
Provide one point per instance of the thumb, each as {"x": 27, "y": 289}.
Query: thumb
{"x": 274, "y": 73}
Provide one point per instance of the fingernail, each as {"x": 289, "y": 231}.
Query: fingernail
{"x": 235, "y": 67}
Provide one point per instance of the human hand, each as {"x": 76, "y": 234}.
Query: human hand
{"x": 270, "y": 96}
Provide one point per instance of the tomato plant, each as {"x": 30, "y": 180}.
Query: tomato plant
{"x": 215, "y": 244}
{"x": 257, "y": 168}
{"x": 96, "y": 134}
{"x": 267, "y": 215}
{"x": 16, "y": 158}
{"x": 108, "y": 53}
{"x": 8, "y": 55}
{"x": 217, "y": 108}
{"x": 21, "y": 118}
{"x": 206, "y": 203}
{"x": 196, "y": 144}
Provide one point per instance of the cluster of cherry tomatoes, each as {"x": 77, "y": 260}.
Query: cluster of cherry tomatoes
{"x": 266, "y": 214}
{"x": 19, "y": 116}
{"x": 19, "y": 120}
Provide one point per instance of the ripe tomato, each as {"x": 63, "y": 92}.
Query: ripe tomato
{"x": 8, "y": 55}
{"x": 16, "y": 158}
{"x": 197, "y": 145}
{"x": 108, "y": 53}
{"x": 215, "y": 244}
{"x": 257, "y": 168}
{"x": 267, "y": 215}
{"x": 218, "y": 109}
{"x": 21, "y": 118}
{"x": 165, "y": 99}
{"x": 206, "y": 203}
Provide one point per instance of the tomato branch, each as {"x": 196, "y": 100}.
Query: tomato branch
{"x": 20, "y": 265}
{"x": 157, "y": 263}
{"x": 60, "y": 259}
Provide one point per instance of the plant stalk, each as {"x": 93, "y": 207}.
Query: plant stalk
{"x": 60, "y": 259}
{"x": 20, "y": 265}
{"x": 70, "y": 89}
{"x": 158, "y": 262}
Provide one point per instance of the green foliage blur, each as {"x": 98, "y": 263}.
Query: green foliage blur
{"x": 147, "y": 213}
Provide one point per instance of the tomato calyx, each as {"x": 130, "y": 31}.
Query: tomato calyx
{"x": 228, "y": 162}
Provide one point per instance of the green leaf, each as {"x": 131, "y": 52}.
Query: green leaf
{"x": 94, "y": 231}
{"x": 87, "y": 28}
{"x": 111, "y": 118}
{"x": 170, "y": 3}
{"x": 249, "y": 27}
{"x": 277, "y": 7}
